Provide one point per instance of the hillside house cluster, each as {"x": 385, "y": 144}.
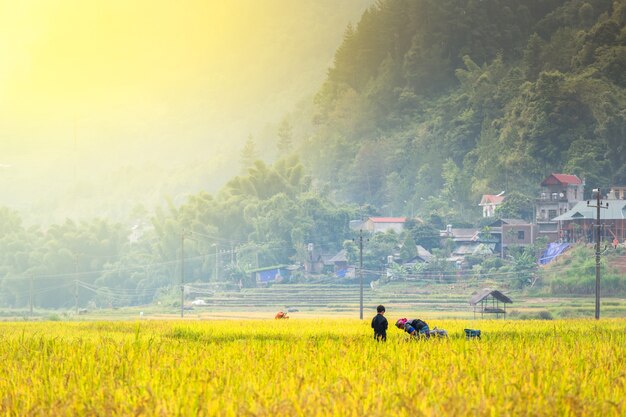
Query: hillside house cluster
{"x": 561, "y": 215}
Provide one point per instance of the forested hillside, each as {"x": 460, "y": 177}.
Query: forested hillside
{"x": 450, "y": 99}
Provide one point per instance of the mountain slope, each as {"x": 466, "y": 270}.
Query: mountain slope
{"x": 450, "y": 99}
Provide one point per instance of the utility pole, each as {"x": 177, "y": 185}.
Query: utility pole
{"x": 361, "y": 274}
{"x": 182, "y": 274}
{"x": 598, "y": 206}
{"x": 76, "y": 282}
{"x": 30, "y": 294}
{"x": 76, "y": 294}
{"x": 217, "y": 261}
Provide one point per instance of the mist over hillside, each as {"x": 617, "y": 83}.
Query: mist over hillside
{"x": 123, "y": 104}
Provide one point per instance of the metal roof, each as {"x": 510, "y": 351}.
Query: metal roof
{"x": 480, "y": 296}
{"x": 510, "y": 222}
{"x": 423, "y": 252}
{"x": 615, "y": 211}
{"x": 475, "y": 249}
{"x": 515, "y": 221}
{"x": 341, "y": 256}
{"x": 267, "y": 268}
{"x": 388, "y": 219}
{"x": 461, "y": 234}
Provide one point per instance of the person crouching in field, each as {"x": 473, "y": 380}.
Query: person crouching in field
{"x": 281, "y": 315}
{"x": 379, "y": 324}
{"x": 419, "y": 328}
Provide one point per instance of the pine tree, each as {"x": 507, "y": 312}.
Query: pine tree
{"x": 248, "y": 154}
{"x": 285, "y": 138}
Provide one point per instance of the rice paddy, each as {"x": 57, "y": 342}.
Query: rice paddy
{"x": 311, "y": 367}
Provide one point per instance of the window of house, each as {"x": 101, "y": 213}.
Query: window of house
{"x": 551, "y": 214}
{"x": 520, "y": 235}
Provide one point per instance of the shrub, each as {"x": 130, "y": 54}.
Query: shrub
{"x": 544, "y": 315}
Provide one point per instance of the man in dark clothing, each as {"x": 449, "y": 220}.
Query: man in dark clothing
{"x": 379, "y": 324}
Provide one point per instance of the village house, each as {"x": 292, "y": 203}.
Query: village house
{"x": 467, "y": 242}
{"x": 559, "y": 193}
{"x": 383, "y": 224}
{"x": 340, "y": 266}
{"x": 617, "y": 193}
{"x": 512, "y": 232}
{"x": 314, "y": 262}
{"x": 490, "y": 202}
{"x": 421, "y": 255}
{"x": 579, "y": 223}
{"x": 269, "y": 274}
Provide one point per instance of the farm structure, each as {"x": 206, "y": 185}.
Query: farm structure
{"x": 488, "y": 301}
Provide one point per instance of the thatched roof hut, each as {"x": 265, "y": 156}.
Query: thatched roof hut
{"x": 488, "y": 301}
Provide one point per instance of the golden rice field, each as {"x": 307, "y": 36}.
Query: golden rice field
{"x": 298, "y": 367}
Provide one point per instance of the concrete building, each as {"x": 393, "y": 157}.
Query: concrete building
{"x": 559, "y": 194}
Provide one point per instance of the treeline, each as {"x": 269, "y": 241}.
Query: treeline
{"x": 262, "y": 218}
{"x": 431, "y": 103}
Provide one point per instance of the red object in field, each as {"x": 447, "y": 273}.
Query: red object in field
{"x": 281, "y": 315}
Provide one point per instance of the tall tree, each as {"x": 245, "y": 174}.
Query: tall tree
{"x": 248, "y": 154}
{"x": 285, "y": 137}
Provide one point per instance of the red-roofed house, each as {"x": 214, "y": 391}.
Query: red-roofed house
{"x": 382, "y": 224}
{"x": 559, "y": 193}
{"x": 489, "y": 202}
{"x": 561, "y": 179}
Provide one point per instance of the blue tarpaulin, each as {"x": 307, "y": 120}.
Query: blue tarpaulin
{"x": 554, "y": 249}
{"x": 341, "y": 273}
{"x": 272, "y": 274}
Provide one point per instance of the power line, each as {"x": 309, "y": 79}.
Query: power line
{"x": 216, "y": 239}
{"x": 117, "y": 268}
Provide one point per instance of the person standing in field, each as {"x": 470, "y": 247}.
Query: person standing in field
{"x": 379, "y": 324}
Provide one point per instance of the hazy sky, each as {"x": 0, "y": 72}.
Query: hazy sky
{"x": 168, "y": 73}
{"x": 90, "y": 86}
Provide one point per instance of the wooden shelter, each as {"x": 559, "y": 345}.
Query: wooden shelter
{"x": 488, "y": 301}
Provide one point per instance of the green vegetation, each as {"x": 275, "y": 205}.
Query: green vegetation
{"x": 452, "y": 99}
{"x": 429, "y": 104}
{"x": 576, "y": 273}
